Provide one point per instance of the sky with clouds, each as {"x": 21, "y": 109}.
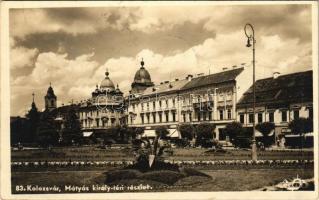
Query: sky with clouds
{"x": 72, "y": 47}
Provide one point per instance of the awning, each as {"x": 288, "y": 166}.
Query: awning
{"x": 173, "y": 133}
{"x": 149, "y": 133}
{"x": 259, "y": 134}
{"x": 297, "y": 135}
{"x": 87, "y": 134}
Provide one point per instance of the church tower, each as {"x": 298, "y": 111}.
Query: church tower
{"x": 142, "y": 80}
{"x": 50, "y": 99}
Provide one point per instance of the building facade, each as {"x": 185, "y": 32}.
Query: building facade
{"x": 104, "y": 109}
{"x": 194, "y": 99}
{"x": 279, "y": 99}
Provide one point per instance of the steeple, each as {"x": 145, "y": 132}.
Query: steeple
{"x": 142, "y": 64}
{"x": 50, "y": 99}
{"x": 33, "y": 106}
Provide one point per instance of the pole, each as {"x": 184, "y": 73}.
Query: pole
{"x": 254, "y": 147}
{"x": 252, "y": 37}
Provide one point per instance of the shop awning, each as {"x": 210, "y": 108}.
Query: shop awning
{"x": 149, "y": 133}
{"x": 259, "y": 134}
{"x": 87, "y": 133}
{"x": 297, "y": 135}
{"x": 173, "y": 133}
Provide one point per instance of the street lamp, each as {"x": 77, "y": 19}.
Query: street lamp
{"x": 251, "y": 39}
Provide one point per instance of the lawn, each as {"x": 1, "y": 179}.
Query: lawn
{"x": 95, "y": 154}
{"x": 222, "y": 180}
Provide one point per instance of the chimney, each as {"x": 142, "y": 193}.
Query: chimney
{"x": 275, "y": 75}
{"x": 235, "y": 66}
{"x": 224, "y": 68}
{"x": 189, "y": 77}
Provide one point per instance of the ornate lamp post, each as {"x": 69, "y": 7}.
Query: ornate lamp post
{"x": 251, "y": 38}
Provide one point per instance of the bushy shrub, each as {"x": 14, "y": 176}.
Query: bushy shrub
{"x": 163, "y": 176}
{"x": 116, "y": 175}
{"x": 143, "y": 166}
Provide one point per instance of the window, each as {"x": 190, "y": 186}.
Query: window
{"x": 148, "y": 106}
{"x": 148, "y": 118}
{"x": 260, "y": 117}
{"x": 184, "y": 117}
{"x": 271, "y": 117}
{"x": 142, "y": 105}
{"x": 166, "y": 115}
{"x": 174, "y": 117}
{"x": 251, "y": 118}
{"x": 284, "y": 116}
{"x": 133, "y": 107}
{"x": 229, "y": 113}
{"x": 173, "y": 102}
{"x": 190, "y": 117}
{"x": 296, "y": 114}
{"x": 97, "y": 113}
{"x": 131, "y": 120}
{"x": 242, "y": 118}
{"x": 142, "y": 119}
{"x": 221, "y": 114}
{"x": 198, "y": 116}
{"x": 113, "y": 121}
{"x": 166, "y": 102}
{"x": 154, "y": 117}
{"x": 310, "y": 113}
{"x": 154, "y": 106}
{"x": 160, "y": 117}
{"x": 97, "y": 122}
{"x": 160, "y": 104}
{"x": 204, "y": 116}
{"x": 210, "y": 116}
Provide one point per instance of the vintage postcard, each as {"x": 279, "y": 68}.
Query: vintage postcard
{"x": 159, "y": 100}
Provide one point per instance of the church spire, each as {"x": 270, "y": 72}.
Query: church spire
{"x": 142, "y": 63}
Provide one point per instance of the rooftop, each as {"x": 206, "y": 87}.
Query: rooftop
{"x": 289, "y": 88}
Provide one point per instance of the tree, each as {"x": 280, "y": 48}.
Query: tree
{"x": 33, "y": 123}
{"x": 71, "y": 132}
{"x": 301, "y": 126}
{"x": 47, "y": 133}
{"x": 187, "y": 131}
{"x": 161, "y": 132}
{"x": 233, "y": 130}
{"x": 239, "y": 136}
{"x": 265, "y": 128}
{"x": 204, "y": 134}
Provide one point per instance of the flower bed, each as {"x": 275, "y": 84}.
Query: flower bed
{"x": 186, "y": 163}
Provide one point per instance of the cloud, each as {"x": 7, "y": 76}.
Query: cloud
{"x": 21, "y": 57}
{"x": 174, "y": 42}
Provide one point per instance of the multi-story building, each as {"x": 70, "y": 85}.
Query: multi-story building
{"x": 104, "y": 109}
{"x": 279, "y": 99}
{"x": 194, "y": 99}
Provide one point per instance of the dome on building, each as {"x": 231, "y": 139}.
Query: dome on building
{"x": 142, "y": 75}
{"x": 106, "y": 83}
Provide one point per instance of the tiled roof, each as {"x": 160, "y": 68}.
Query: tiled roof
{"x": 185, "y": 84}
{"x": 166, "y": 87}
{"x": 213, "y": 78}
{"x": 296, "y": 87}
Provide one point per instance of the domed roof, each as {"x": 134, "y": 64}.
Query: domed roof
{"x": 142, "y": 75}
{"x": 106, "y": 83}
